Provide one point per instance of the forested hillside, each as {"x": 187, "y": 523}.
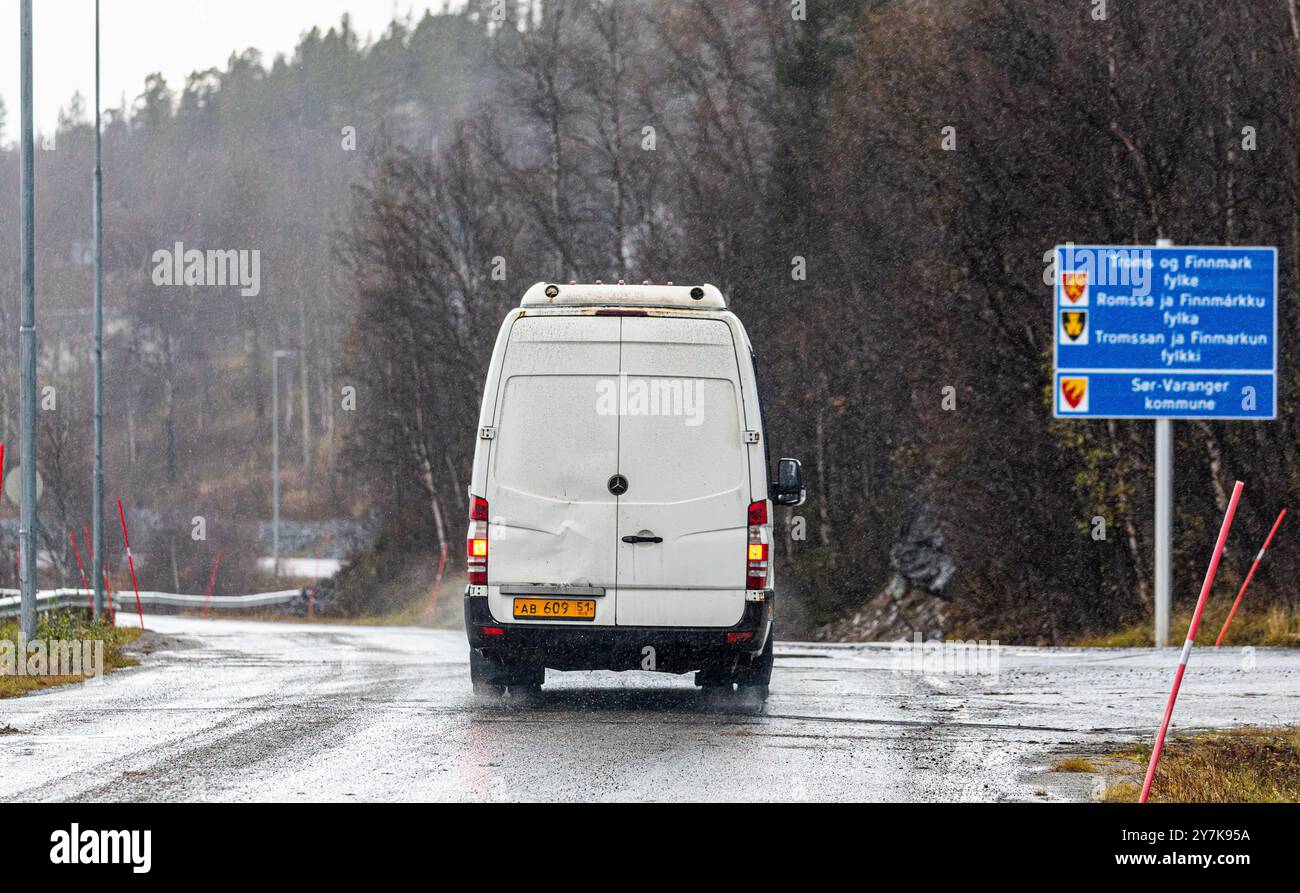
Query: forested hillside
{"x": 875, "y": 189}
{"x": 874, "y": 185}
{"x": 258, "y": 156}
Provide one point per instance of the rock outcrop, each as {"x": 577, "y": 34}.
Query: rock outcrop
{"x": 916, "y": 599}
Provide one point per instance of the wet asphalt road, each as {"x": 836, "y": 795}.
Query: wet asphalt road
{"x": 244, "y": 711}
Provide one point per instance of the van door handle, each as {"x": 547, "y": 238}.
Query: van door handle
{"x": 633, "y": 540}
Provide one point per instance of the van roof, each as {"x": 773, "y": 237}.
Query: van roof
{"x": 699, "y": 297}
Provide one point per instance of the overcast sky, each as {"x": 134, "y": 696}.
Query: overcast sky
{"x": 172, "y": 36}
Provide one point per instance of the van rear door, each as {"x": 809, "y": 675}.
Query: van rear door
{"x": 552, "y": 512}
{"x": 681, "y": 449}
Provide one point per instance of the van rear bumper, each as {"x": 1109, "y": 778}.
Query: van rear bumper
{"x": 676, "y": 649}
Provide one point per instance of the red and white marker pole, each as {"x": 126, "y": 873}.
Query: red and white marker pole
{"x": 131, "y": 561}
{"x": 108, "y": 598}
{"x": 1191, "y": 637}
{"x": 1250, "y": 576}
{"x": 311, "y": 599}
{"x": 81, "y": 570}
{"x": 212, "y": 583}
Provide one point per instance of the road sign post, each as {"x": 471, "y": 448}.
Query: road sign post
{"x": 1164, "y": 528}
{"x": 1165, "y": 333}
{"x": 1164, "y": 520}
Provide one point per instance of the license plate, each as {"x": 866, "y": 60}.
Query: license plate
{"x": 555, "y": 609}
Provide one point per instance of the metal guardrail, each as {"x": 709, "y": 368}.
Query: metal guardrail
{"x": 54, "y": 599}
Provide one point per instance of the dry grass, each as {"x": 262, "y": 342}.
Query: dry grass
{"x": 1132, "y": 637}
{"x": 1272, "y": 627}
{"x": 1122, "y": 792}
{"x": 68, "y": 626}
{"x": 1075, "y": 764}
{"x": 1235, "y": 766}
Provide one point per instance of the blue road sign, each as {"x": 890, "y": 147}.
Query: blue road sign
{"x": 1183, "y": 332}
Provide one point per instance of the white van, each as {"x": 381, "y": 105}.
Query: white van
{"x": 620, "y": 509}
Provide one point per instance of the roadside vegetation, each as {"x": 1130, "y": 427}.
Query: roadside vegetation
{"x": 1275, "y": 627}
{"x": 1234, "y": 766}
{"x": 824, "y": 144}
{"x": 1075, "y": 764}
{"x": 67, "y": 626}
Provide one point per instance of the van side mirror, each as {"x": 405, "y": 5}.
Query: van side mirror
{"x": 788, "y": 489}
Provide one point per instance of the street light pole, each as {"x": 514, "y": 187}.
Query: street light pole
{"x": 27, "y": 332}
{"x": 97, "y": 494}
{"x": 275, "y": 458}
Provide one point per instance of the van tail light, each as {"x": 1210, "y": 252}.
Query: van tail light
{"x": 757, "y": 551}
{"x": 476, "y": 542}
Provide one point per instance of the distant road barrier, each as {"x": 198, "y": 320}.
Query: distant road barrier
{"x": 54, "y": 599}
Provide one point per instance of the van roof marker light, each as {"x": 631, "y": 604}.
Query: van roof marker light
{"x": 624, "y": 293}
